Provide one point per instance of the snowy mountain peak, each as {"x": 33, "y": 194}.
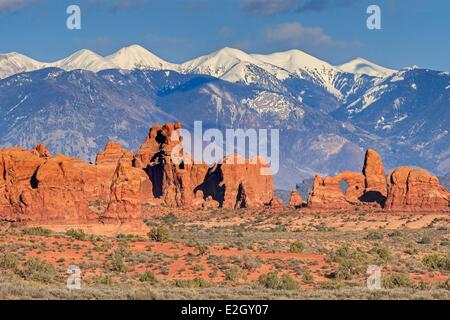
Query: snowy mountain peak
{"x": 13, "y": 62}
{"x": 293, "y": 60}
{"x": 363, "y": 66}
{"x": 85, "y": 60}
{"x": 137, "y": 57}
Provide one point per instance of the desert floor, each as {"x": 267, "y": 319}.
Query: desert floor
{"x": 235, "y": 254}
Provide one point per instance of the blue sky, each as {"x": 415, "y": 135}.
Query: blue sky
{"x": 414, "y": 32}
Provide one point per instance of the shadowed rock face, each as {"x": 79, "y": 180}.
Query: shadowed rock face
{"x": 412, "y": 189}
{"x": 406, "y": 189}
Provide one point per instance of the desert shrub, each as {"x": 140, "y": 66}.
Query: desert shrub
{"x": 148, "y": 277}
{"x": 437, "y": 262}
{"x": 250, "y": 262}
{"x": 400, "y": 280}
{"x": 104, "y": 279}
{"x": 271, "y": 280}
{"x": 195, "y": 283}
{"x": 424, "y": 240}
{"x": 9, "y": 261}
{"x": 38, "y": 270}
{"x": 116, "y": 262}
{"x": 375, "y": 235}
{"x": 331, "y": 285}
{"x": 296, "y": 247}
{"x": 307, "y": 277}
{"x": 36, "y": 231}
{"x": 77, "y": 234}
{"x": 395, "y": 233}
{"x": 129, "y": 237}
{"x": 198, "y": 267}
{"x": 233, "y": 274}
{"x": 159, "y": 234}
{"x": 351, "y": 262}
{"x": 383, "y": 253}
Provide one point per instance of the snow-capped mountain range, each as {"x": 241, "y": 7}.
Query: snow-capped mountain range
{"x": 327, "y": 114}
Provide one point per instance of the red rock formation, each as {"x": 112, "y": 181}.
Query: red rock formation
{"x": 162, "y": 157}
{"x": 413, "y": 189}
{"x": 36, "y": 188}
{"x": 66, "y": 191}
{"x": 295, "y": 200}
{"x": 340, "y": 192}
{"x": 238, "y": 183}
{"x": 234, "y": 183}
{"x": 113, "y": 154}
{"x": 375, "y": 180}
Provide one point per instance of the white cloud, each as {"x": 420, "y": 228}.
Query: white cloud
{"x": 295, "y": 34}
{"x": 14, "y": 5}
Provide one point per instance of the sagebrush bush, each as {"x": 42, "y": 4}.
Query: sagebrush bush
{"x": 148, "y": 277}
{"x": 9, "y": 261}
{"x": 400, "y": 280}
{"x": 437, "y": 262}
{"x": 296, "y": 247}
{"x": 38, "y": 270}
{"x": 375, "y": 235}
{"x": 77, "y": 234}
{"x": 195, "y": 283}
{"x": 271, "y": 280}
{"x": 159, "y": 234}
{"x": 36, "y": 231}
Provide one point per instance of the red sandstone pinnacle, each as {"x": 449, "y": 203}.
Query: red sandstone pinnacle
{"x": 295, "y": 200}
{"x": 113, "y": 154}
{"x": 413, "y": 189}
{"x": 373, "y": 171}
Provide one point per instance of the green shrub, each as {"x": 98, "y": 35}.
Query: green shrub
{"x": 351, "y": 262}
{"x": 383, "y": 253}
{"x": 250, "y": 262}
{"x": 36, "y": 231}
{"x": 38, "y": 270}
{"x": 400, "y": 280}
{"x": 296, "y": 247}
{"x": 104, "y": 279}
{"x": 425, "y": 240}
{"x": 233, "y": 274}
{"x": 77, "y": 234}
{"x": 116, "y": 262}
{"x": 395, "y": 233}
{"x": 195, "y": 283}
{"x": 375, "y": 235}
{"x": 198, "y": 267}
{"x": 307, "y": 277}
{"x": 9, "y": 261}
{"x": 437, "y": 262}
{"x": 271, "y": 280}
{"x": 159, "y": 234}
{"x": 148, "y": 277}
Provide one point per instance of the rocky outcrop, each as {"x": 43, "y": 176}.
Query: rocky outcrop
{"x": 375, "y": 180}
{"x": 406, "y": 189}
{"x": 236, "y": 182}
{"x": 340, "y": 192}
{"x": 295, "y": 200}
{"x": 113, "y": 154}
{"x": 162, "y": 157}
{"x": 233, "y": 183}
{"x": 60, "y": 190}
{"x": 412, "y": 189}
